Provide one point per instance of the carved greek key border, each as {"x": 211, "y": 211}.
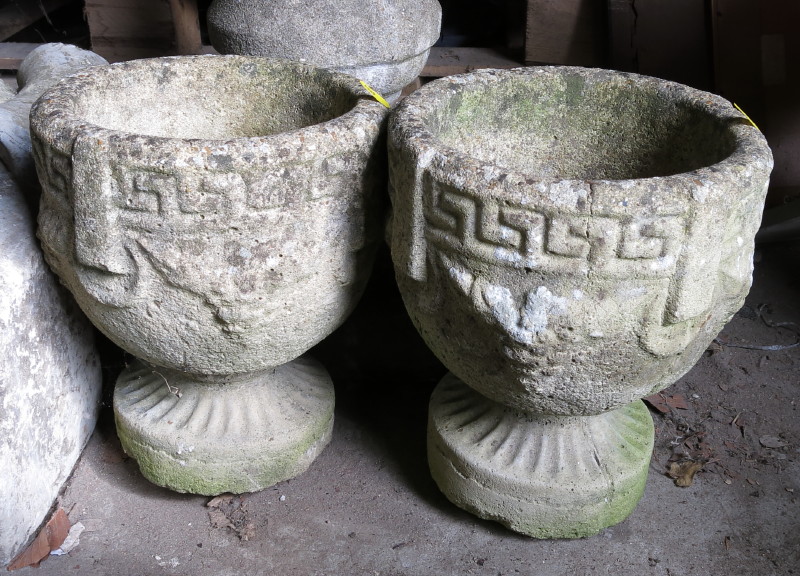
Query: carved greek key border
{"x": 522, "y": 236}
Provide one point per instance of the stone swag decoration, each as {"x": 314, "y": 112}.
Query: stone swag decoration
{"x": 215, "y": 217}
{"x": 566, "y": 241}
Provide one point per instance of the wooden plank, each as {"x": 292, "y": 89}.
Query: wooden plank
{"x": 737, "y": 54}
{"x": 106, "y": 19}
{"x": 19, "y": 14}
{"x": 622, "y": 37}
{"x": 448, "y": 61}
{"x": 566, "y": 32}
{"x": 186, "y": 22}
{"x": 780, "y": 75}
{"x": 757, "y": 65}
{"x": 13, "y": 53}
{"x": 658, "y": 24}
{"x": 127, "y": 29}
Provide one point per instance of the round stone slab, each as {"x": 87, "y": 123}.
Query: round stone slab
{"x": 239, "y": 435}
{"x": 544, "y": 476}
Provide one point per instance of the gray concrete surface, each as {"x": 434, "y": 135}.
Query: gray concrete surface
{"x": 367, "y": 506}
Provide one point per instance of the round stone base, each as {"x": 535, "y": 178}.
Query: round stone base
{"x": 238, "y": 434}
{"x": 544, "y": 476}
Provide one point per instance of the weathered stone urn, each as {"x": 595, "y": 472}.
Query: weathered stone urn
{"x": 383, "y": 42}
{"x": 566, "y": 241}
{"x": 215, "y": 217}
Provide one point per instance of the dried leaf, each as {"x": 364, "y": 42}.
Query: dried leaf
{"x": 678, "y": 401}
{"x": 247, "y": 532}
{"x": 230, "y": 511}
{"x": 218, "y": 519}
{"x": 663, "y": 403}
{"x": 683, "y": 472}
{"x": 772, "y": 442}
{"x": 49, "y": 538}
{"x": 657, "y": 402}
{"x": 219, "y": 501}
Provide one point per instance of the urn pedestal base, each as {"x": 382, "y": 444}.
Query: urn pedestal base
{"x": 541, "y": 475}
{"x": 210, "y": 435}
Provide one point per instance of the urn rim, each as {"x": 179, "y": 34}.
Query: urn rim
{"x": 410, "y": 130}
{"x": 55, "y": 115}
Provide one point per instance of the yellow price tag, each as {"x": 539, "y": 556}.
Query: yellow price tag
{"x": 746, "y": 116}
{"x": 374, "y": 94}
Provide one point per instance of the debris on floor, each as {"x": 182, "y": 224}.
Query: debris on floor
{"x": 683, "y": 472}
{"x": 664, "y": 403}
{"x": 230, "y": 511}
{"x": 50, "y": 538}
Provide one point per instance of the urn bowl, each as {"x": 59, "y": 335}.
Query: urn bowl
{"x": 569, "y": 240}
{"x": 213, "y": 215}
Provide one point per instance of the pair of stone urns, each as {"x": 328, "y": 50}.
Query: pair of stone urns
{"x": 566, "y": 241}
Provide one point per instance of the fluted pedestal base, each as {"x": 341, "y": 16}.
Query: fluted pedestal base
{"x": 238, "y": 434}
{"x": 544, "y": 476}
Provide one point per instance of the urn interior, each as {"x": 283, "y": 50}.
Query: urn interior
{"x": 565, "y": 127}
{"x": 186, "y": 101}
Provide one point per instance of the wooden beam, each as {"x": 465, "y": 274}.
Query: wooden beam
{"x": 186, "y": 21}
{"x": 566, "y": 32}
{"x": 623, "y": 48}
{"x": 448, "y": 61}
{"x": 13, "y": 53}
{"x": 737, "y": 54}
{"x": 19, "y": 14}
{"x": 127, "y": 29}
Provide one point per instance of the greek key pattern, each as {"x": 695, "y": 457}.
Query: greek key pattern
{"x": 530, "y": 237}
{"x": 146, "y": 197}
{"x": 57, "y": 172}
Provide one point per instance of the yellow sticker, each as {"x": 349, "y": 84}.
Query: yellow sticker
{"x": 374, "y": 94}
{"x": 746, "y": 116}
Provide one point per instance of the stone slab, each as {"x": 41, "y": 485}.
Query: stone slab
{"x": 41, "y": 69}
{"x": 49, "y": 377}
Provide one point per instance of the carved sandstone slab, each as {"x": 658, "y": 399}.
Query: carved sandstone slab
{"x": 567, "y": 241}
{"x": 216, "y": 217}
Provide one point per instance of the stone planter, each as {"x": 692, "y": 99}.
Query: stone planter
{"x": 386, "y": 44}
{"x": 567, "y": 241}
{"x": 215, "y": 217}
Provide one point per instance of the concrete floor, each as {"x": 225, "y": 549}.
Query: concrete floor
{"x": 367, "y": 506}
